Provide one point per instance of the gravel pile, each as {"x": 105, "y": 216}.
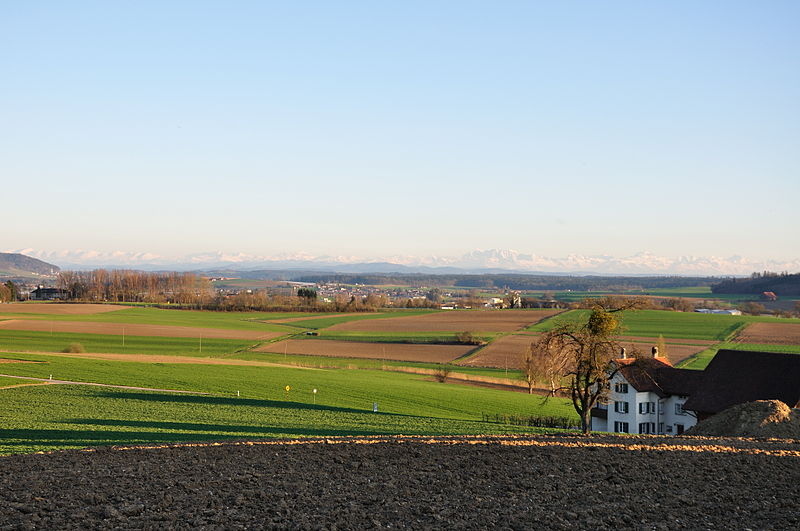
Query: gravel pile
{"x": 763, "y": 418}
{"x": 535, "y": 482}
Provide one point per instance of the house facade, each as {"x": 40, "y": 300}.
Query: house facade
{"x": 647, "y": 396}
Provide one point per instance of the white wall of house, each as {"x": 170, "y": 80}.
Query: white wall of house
{"x": 642, "y": 412}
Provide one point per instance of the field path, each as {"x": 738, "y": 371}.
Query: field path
{"x": 158, "y": 358}
{"x": 131, "y": 329}
{"x": 46, "y": 381}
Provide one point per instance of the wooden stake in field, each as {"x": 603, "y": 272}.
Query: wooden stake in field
{"x": 314, "y": 394}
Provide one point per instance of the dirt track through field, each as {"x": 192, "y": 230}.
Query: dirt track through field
{"x": 509, "y": 351}
{"x": 77, "y": 327}
{"x": 157, "y": 358}
{"x": 771, "y": 334}
{"x": 49, "y": 308}
{"x": 452, "y": 321}
{"x": 47, "y": 381}
{"x": 307, "y": 318}
{"x": 525, "y": 482}
{"x": 358, "y": 349}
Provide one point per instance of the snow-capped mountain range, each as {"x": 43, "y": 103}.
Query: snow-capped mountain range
{"x": 478, "y": 261}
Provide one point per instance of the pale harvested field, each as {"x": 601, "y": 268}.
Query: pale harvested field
{"x": 771, "y": 333}
{"x": 452, "y": 321}
{"x": 357, "y": 349}
{"x": 509, "y": 351}
{"x": 51, "y": 308}
{"x": 133, "y": 329}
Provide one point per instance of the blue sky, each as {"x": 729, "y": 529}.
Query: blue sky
{"x": 382, "y": 128}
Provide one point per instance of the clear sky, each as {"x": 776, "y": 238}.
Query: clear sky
{"x": 409, "y": 127}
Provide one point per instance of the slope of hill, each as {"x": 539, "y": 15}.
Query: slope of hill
{"x": 13, "y": 265}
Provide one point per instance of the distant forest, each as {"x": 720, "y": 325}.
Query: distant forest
{"x": 513, "y": 281}
{"x": 781, "y": 284}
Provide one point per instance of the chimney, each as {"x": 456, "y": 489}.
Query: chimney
{"x": 655, "y": 352}
{"x": 623, "y": 354}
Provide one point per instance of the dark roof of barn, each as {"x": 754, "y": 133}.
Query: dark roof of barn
{"x": 738, "y": 376}
{"x": 659, "y": 376}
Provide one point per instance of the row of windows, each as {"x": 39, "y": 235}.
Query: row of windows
{"x": 646, "y": 408}
{"x": 647, "y": 427}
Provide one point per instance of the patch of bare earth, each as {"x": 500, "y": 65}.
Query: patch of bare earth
{"x": 130, "y": 329}
{"x": 771, "y": 333}
{"x": 359, "y": 349}
{"x": 452, "y": 321}
{"x": 535, "y": 482}
{"x": 57, "y": 308}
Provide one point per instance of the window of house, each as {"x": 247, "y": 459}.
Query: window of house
{"x": 678, "y": 428}
{"x": 621, "y": 427}
{"x": 679, "y": 409}
{"x": 660, "y": 427}
{"x": 647, "y": 427}
{"x": 661, "y": 408}
{"x": 669, "y": 428}
{"x": 646, "y": 408}
{"x": 620, "y": 407}
{"x": 621, "y": 388}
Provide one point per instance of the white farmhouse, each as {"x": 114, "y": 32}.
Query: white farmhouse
{"x": 647, "y": 396}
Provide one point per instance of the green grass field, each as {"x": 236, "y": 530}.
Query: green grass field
{"x": 678, "y": 325}
{"x": 38, "y": 418}
{"x": 330, "y": 321}
{"x": 361, "y": 363}
{"x": 172, "y": 346}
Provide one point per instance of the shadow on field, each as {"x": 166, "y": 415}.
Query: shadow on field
{"x": 231, "y": 401}
{"x": 212, "y": 429}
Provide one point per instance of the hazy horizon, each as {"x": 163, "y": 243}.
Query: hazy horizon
{"x": 159, "y": 131}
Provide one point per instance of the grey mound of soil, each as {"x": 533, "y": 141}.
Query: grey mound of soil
{"x": 763, "y": 418}
{"x": 538, "y": 482}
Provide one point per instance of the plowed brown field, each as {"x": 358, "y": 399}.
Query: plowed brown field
{"x": 51, "y": 308}
{"x": 771, "y": 333}
{"x": 78, "y": 327}
{"x": 452, "y": 321}
{"x": 358, "y": 349}
{"x": 509, "y": 351}
{"x": 537, "y": 482}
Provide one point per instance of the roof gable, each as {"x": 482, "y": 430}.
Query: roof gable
{"x": 659, "y": 376}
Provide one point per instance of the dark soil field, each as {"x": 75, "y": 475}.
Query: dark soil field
{"x": 358, "y": 349}
{"x": 452, "y": 321}
{"x": 771, "y": 333}
{"x": 538, "y": 482}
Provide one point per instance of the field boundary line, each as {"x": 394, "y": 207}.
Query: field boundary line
{"x": 70, "y": 382}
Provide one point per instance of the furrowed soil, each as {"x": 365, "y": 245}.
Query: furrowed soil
{"x": 771, "y": 333}
{"x": 54, "y": 308}
{"x": 452, "y": 321}
{"x": 359, "y": 349}
{"x": 509, "y": 351}
{"x": 524, "y": 482}
{"x": 130, "y": 329}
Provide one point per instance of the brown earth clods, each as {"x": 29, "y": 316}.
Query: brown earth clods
{"x": 539, "y": 482}
{"x": 762, "y": 418}
{"x": 452, "y": 321}
{"x": 131, "y": 329}
{"x": 360, "y": 349}
{"x": 55, "y": 308}
{"x": 771, "y": 333}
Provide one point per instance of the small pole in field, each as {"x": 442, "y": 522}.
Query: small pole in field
{"x": 374, "y": 407}
{"x": 237, "y": 392}
{"x": 314, "y": 393}
{"x": 287, "y": 389}
{"x": 51, "y": 376}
